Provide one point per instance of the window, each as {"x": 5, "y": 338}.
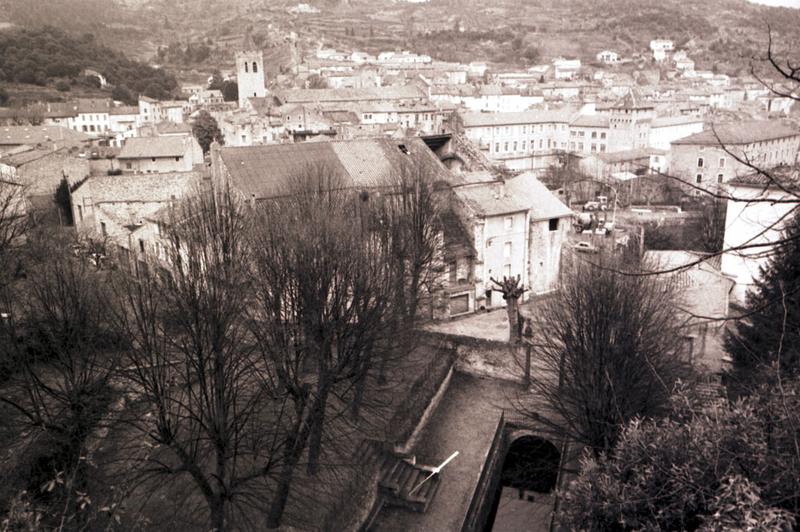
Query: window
{"x": 507, "y": 250}
{"x": 523, "y": 145}
{"x": 245, "y": 66}
{"x": 515, "y": 145}
{"x": 699, "y": 178}
{"x": 594, "y": 147}
{"x": 497, "y": 147}
{"x": 602, "y": 148}
{"x": 594, "y": 134}
{"x": 141, "y": 245}
{"x": 720, "y": 177}
{"x": 505, "y": 146}
{"x": 602, "y": 134}
{"x": 128, "y": 166}
{"x": 552, "y": 225}
{"x": 153, "y": 159}
{"x": 541, "y": 143}
{"x": 80, "y": 213}
{"x": 700, "y": 162}
{"x": 244, "y": 138}
{"x": 722, "y": 162}
{"x": 177, "y": 159}
{"x": 452, "y": 270}
{"x": 255, "y": 67}
{"x": 509, "y": 223}
{"x": 103, "y": 230}
{"x": 507, "y": 271}
{"x": 580, "y": 146}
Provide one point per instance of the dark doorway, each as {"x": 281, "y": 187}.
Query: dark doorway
{"x": 531, "y": 465}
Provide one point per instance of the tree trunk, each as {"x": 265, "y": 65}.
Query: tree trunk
{"x": 512, "y": 308}
{"x": 361, "y": 384}
{"x": 294, "y": 445}
{"x": 317, "y": 424}
{"x": 217, "y": 509}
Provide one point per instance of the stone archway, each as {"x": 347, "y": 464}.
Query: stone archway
{"x": 531, "y": 464}
{"x": 527, "y": 481}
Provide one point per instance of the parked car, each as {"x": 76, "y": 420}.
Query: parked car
{"x": 594, "y": 206}
{"x": 585, "y": 247}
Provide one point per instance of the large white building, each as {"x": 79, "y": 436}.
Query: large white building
{"x": 520, "y": 141}
{"x": 755, "y": 217}
{"x": 518, "y": 228}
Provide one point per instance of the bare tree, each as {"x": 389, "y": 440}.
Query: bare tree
{"x": 512, "y": 289}
{"x": 192, "y": 362}
{"x": 338, "y": 276}
{"x": 607, "y": 348}
{"x": 64, "y": 354}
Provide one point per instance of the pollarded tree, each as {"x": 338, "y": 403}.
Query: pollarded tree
{"x": 512, "y": 290}
{"x": 607, "y": 348}
{"x": 770, "y": 329}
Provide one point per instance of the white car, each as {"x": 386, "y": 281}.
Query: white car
{"x": 585, "y": 247}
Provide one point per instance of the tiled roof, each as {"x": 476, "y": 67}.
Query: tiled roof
{"x": 667, "y": 121}
{"x": 143, "y": 147}
{"x": 94, "y": 105}
{"x": 393, "y": 92}
{"x": 21, "y": 158}
{"x": 124, "y": 110}
{"x": 524, "y": 117}
{"x": 740, "y": 133}
{"x": 167, "y": 128}
{"x": 264, "y": 171}
{"x": 32, "y": 135}
{"x": 521, "y": 193}
{"x": 591, "y": 121}
{"x": 633, "y": 100}
{"x": 139, "y": 187}
{"x": 787, "y": 177}
{"x": 629, "y": 155}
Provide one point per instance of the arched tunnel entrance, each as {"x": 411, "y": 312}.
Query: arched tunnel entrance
{"x": 527, "y": 481}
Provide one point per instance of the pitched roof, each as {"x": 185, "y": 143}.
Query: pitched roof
{"x": 521, "y": 193}
{"x": 633, "y": 100}
{"x": 93, "y": 105}
{"x": 667, "y": 121}
{"x": 629, "y": 155}
{"x": 19, "y": 159}
{"x": 263, "y": 171}
{"x": 591, "y": 121}
{"x": 124, "y": 110}
{"x": 32, "y": 135}
{"x": 143, "y": 147}
{"x": 786, "y": 177}
{"x": 740, "y": 133}
{"x": 171, "y": 128}
{"x": 149, "y": 188}
{"x": 393, "y": 92}
{"x": 476, "y": 119}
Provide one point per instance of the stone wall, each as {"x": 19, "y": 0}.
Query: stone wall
{"x": 485, "y": 358}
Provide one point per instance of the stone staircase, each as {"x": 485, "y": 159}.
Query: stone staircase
{"x": 399, "y": 475}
